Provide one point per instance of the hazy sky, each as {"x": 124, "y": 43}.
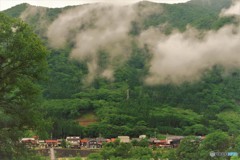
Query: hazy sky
{"x": 5, "y": 4}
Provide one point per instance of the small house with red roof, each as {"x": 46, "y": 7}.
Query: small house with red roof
{"x": 51, "y": 143}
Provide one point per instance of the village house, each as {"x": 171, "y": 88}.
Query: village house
{"x": 84, "y": 142}
{"x": 41, "y": 144}
{"x": 29, "y": 142}
{"x": 111, "y": 140}
{"x": 93, "y": 143}
{"x": 101, "y": 141}
{"x": 174, "y": 141}
{"x": 162, "y": 143}
{"x": 73, "y": 141}
{"x": 51, "y": 143}
{"x": 151, "y": 140}
{"x": 124, "y": 139}
{"x": 142, "y": 136}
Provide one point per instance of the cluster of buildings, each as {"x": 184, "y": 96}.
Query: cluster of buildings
{"x": 93, "y": 143}
{"x": 69, "y": 142}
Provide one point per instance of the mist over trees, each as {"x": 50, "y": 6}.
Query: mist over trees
{"x": 122, "y": 79}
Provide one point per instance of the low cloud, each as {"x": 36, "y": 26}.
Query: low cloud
{"x": 184, "y": 56}
{"x": 39, "y": 14}
{"x": 91, "y": 29}
{"x": 234, "y": 10}
{"x": 176, "y": 58}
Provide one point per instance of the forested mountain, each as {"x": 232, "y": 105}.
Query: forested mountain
{"x": 113, "y": 79}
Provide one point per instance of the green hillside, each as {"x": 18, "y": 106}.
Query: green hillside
{"x": 197, "y": 13}
{"x": 16, "y": 10}
{"x": 127, "y": 106}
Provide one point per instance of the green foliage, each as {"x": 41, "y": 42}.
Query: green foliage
{"x": 62, "y": 128}
{"x": 16, "y": 11}
{"x": 94, "y": 156}
{"x": 64, "y": 143}
{"x": 237, "y": 144}
{"x": 231, "y": 119}
{"x": 165, "y": 153}
{"x": 217, "y": 141}
{"x": 23, "y": 62}
{"x": 65, "y": 76}
{"x": 141, "y": 143}
{"x": 127, "y": 106}
{"x": 119, "y": 150}
{"x": 107, "y": 152}
{"x": 195, "y": 148}
{"x": 235, "y": 158}
{"x": 174, "y": 117}
{"x": 77, "y": 158}
{"x": 199, "y": 14}
{"x": 66, "y": 108}
{"x": 196, "y": 129}
{"x": 161, "y": 136}
{"x": 123, "y": 150}
{"x": 141, "y": 152}
{"x": 188, "y": 148}
{"x": 211, "y": 102}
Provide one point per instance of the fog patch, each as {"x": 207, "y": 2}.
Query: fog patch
{"x": 176, "y": 58}
{"x": 234, "y": 9}
{"x": 184, "y": 57}
{"x": 92, "y": 28}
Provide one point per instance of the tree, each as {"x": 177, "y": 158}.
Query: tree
{"x": 141, "y": 152}
{"x": 94, "y": 156}
{"x": 231, "y": 119}
{"x": 237, "y": 144}
{"x": 214, "y": 142}
{"x": 196, "y": 129}
{"x": 107, "y": 152}
{"x": 22, "y": 65}
{"x": 187, "y": 148}
{"x": 123, "y": 150}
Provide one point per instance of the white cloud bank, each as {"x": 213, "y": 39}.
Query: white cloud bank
{"x": 176, "y": 58}
{"x": 234, "y": 10}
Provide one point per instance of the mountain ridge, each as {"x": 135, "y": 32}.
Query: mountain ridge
{"x": 118, "y": 94}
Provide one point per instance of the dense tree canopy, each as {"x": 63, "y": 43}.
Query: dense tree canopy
{"x": 126, "y": 105}
{"x": 22, "y": 64}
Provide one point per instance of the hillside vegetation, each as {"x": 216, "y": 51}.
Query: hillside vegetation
{"x": 126, "y": 105}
